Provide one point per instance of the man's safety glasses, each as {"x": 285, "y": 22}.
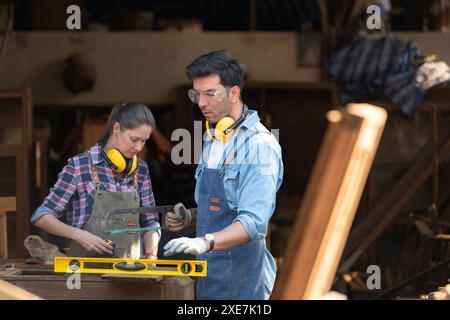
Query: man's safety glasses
{"x": 211, "y": 94}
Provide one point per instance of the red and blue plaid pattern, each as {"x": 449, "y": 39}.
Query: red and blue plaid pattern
{"x": 73, "y": 193}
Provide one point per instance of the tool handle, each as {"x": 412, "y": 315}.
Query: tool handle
{"x": 183, "y": 215}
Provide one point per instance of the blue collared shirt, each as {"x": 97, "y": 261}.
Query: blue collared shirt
{"x": 253, "y": 176}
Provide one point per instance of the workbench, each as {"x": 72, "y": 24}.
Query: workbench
{"x": 42, "y": 281}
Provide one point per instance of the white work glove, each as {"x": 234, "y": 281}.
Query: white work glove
{"x": 179, "y": 219}
{"x": 195, "y": 246}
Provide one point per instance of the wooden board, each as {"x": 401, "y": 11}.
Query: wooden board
{"x": 9, "y": 291}
{"x": 7, "y": 204}
{"x": 40, "y": 280}
{"x": 3, "y": 236}
{"x": 54, "y": 287}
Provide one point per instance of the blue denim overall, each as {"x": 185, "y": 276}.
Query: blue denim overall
{"x": 236, "y": 273}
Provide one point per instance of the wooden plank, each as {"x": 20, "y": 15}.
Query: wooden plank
{"x": 342, "y": 15}
{"x": 42, "y": 281}
{"x": 325, "y": 25}
{"x": 3, "y": 236}
{"x": 94, "y": 287}
{"x": 9, "y": 291}
{"x": 252, "y": 15}
{"x": 23, "y": 204}
{"x": 330, "y": 202}
{"x": 7, "y": 204}
{"x": 41, "y": 139}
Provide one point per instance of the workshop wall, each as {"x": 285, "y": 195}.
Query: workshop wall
{"x": 140, "y": 66}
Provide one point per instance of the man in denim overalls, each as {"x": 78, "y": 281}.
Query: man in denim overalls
{"x": 237, "y": 177}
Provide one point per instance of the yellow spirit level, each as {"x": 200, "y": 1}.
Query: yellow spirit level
{"x": 193, "y": 268}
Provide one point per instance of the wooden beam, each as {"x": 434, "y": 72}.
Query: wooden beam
{"x": 253, "y": 20}
{"x": 331, "y": 199}
{"x": 3, "y": 236}
{"x": 9, "y": 291}
{"x": 325, "y": 25}
{"x": 7, "y": 204}
{"x": 54, "y": 287}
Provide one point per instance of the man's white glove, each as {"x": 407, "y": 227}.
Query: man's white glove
{"x": 179, "y": 219}
{"x": 195, "y": 246}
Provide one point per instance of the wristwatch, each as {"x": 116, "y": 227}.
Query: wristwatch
{"x": 210, "y": 238}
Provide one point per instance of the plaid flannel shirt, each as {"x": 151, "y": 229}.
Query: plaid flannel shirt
{"x": 73, "y": 193}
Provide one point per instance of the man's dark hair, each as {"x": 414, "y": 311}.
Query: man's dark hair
{"x": 228, "y": 68}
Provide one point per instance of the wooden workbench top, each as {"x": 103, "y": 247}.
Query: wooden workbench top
{"x": 42, "y": 281}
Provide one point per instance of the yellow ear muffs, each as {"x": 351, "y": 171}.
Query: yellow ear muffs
{"x": 219, "y": 130}
{"x": 119, "y": 163}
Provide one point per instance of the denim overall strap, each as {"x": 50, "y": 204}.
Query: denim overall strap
{"x": 236, "y": 273}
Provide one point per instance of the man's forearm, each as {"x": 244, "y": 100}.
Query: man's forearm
{"x": 232, "y": 236}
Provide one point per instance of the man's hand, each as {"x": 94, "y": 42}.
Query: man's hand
{"x": 91, "y": 242}
{"x": 179, "y": 219}
{"x": 195, "y": 246}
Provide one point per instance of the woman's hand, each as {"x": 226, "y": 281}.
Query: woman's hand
{"x": 151, "y": 256}
{"x": 91, "y": 242}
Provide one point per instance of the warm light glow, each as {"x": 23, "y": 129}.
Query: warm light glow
{"x": 334, "y": 116}
{"x": 374, "y": 117}
{"x": 136, "y": 250}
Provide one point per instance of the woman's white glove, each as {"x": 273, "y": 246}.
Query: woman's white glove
{"x": 195, "y": 246}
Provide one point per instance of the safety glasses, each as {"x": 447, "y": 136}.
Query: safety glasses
{"x": 211, "y": 94}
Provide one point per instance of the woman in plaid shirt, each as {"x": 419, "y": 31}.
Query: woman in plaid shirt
{"x": 91, "y": 184}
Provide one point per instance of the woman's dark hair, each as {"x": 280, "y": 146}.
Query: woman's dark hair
{"x": 129, "y": 115}
{"x": 229, "y": 69}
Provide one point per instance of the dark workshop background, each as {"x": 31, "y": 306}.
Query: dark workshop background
{"x": 57, "y": 85}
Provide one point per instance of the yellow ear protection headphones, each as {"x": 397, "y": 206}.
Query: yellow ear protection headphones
{"x": 224, "y": 128}
{"x": 118, "y": 162}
